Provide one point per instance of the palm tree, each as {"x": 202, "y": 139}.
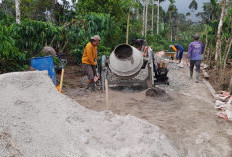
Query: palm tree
{"x": 193, "y": 6}
{"x": 158, "y": 12}
{"x": 171, "y": 10}
{"x": 145, "y": 11}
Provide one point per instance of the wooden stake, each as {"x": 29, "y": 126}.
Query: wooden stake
{"x": 107, "y": 94}
{"x": 61, "y": 80}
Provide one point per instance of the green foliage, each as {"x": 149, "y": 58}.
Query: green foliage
{"x": 31, "y": 36}
{"x": 80, "y": 30}
{"x": 157, "y": 43}
{"x": 10, "y": 58}
{"x": 113, "y": 7}
{"x": 5, "y": 19}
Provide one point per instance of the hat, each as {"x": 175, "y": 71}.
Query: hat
{"x": 196, "y": 37}
{"x": 96, "y": 37}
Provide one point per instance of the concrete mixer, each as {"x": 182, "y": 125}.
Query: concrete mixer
{"x": 125, "y": 62}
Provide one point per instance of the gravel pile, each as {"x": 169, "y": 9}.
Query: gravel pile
{"x": 37, "y": 120}
{"x": 177, "y": 78}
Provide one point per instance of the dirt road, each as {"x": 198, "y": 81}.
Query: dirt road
{"x": 186, "y": 113}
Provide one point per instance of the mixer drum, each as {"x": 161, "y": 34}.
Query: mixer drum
{"x": 125, "y": 61}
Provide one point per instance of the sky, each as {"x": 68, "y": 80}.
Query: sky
{"x": 182, "y": 6}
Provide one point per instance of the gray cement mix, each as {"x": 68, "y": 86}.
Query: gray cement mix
{"x": 36, "y": 120}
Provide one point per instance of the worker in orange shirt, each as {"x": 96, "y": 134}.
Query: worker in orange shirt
{"x": 179, "y": 51}
{"x": 89, "y": 60}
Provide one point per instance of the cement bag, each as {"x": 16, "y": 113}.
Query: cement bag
{"x": 159, "y": 56}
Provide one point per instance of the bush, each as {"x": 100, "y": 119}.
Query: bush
{"x": 10, "y": 57}
{"x": 80, "y": 30}
{"x": 31, "y": 36}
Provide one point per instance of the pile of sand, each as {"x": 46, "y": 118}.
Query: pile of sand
{"x": 36, "y": 120}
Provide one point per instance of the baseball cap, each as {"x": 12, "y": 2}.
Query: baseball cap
{"x": 96, "y": 37}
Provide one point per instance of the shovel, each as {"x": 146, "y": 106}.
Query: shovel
{"x": 60, "y": 86}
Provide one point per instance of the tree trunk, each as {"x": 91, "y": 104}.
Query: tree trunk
{"x": 152, "y": 18}
{"x": 206, "y": 46}
{"x": 218, "y": 43}
{"x": 228, "y": 51}
{"x": 143, "y": 17}
{"x": 170, "y": 16}
{"x": 17, "y": 10}
{"x": 137, "y": 12}
{"x": 158, "y": 7}
{"x": 146, "y": 17}
{"x": 127, "y": 28}
{"x": 228, "y": 47}
{"x": 171, "y": 29}
{"x": 206, "y": 42}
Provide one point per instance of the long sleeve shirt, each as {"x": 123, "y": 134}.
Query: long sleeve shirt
{"x": 90, "y": 54}
{"x": 195, "y": 50}
{"x": 179, "y": 47}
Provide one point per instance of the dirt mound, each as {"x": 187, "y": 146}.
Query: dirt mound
{"x": 36, "y": 120}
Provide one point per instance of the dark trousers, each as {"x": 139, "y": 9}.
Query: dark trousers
{"x": 89, "y": 70}
{"x": 197, "y": 63}
{"x": 179, "y": 54}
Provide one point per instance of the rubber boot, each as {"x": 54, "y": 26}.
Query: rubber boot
{"x": 197, "y": 77}
{"x": 92, "y": 86}
{"x": 191, "y": 74}
{"x": 89, "y": 84}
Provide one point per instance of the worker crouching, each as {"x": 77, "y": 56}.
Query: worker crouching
{"x": 89, "y": 61}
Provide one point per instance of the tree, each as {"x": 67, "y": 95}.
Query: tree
{"x": 152, "y": 18}
{"x": 193, "y": 6}
{"x": 146, "y": 3}
{"x": 220, "y": 25}
{"x": 188, "y": 14}
{"x": 17, "y": 10}
{"x": 113, "y": 7}
{"x": 171, "y": 11}
{"x": 211, "y": 11}
{"x": 158, "y": 14}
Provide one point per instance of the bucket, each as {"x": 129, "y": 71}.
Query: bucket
{"x": 44, "y": 63}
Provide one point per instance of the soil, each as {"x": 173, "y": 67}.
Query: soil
{"x": 185, "y": 112}
{"x": 220, "y": 79}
